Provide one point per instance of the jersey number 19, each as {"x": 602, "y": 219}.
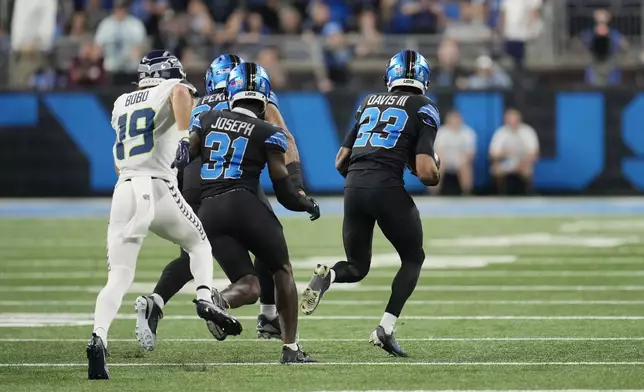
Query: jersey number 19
{"x": 138, "y": 123}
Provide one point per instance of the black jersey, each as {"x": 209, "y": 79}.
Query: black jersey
{"x": 391, "y": 128}
{"x": 189, "y": 178}
{"x": 234, "y": 149}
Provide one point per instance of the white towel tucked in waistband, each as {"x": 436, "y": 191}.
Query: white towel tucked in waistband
{"x": 139, "y": 225}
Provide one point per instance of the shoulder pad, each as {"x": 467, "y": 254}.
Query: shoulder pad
{"x": 272, "y": 98}
{"x": 278, "y": 139}
{"x": 193, "y": 89}
{"x": 429, "y": 115}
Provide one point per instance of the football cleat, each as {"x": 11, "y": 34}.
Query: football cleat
{"x": 218, "y": 316}
{"x": 386, "y": 342}
{"x": 97, "y": 365}
{"x": 148, "y": 314}
{"x": 295, "y": 356}
{"x": 268, "y": 329}
{"x": 319, "y": 284}
{"x": 214, "y": 329}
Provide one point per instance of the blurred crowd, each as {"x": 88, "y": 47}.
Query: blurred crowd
{"x": 110, "y": 36}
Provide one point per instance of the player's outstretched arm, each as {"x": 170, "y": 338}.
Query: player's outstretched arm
{"x": 285, "y": 192}
{"x": 293, "y": 166}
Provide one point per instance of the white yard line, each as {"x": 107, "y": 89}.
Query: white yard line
{"x": 400, "y": 363}
{"x": 87, "y": 316}
{"x": 362, "y": 288}
{"x": 516, "y": 274}
{"x": 261, "y": 341}
{"x": 332, "y": 302}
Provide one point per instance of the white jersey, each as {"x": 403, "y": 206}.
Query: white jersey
{"x": 146, "y": 133}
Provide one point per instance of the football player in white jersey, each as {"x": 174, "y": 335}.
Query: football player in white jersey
{"x": 149, "y": 123}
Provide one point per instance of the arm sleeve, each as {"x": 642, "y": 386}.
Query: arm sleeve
{"x": 351, "y": 137}
{"x": 425, "y": 144}
{"x": 430, "y": 121}
{"x": 295, "y": 175}
{"x": 288, "y": 196}
{"x": 276, "y": 142}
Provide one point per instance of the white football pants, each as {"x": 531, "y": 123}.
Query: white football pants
{"x": 140, "y": 205}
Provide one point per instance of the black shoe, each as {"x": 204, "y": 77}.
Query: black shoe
{"x": 319, "y": 284}
{"x": 214, "y": 329}
{"x": 97, "y": 365}
{"x": 268, "y": 329}
{"x": 386, "y": 342}
{"x": 218, "y": 316}
{"x": 148, "y": 314}
{"x": 295, "y": 356}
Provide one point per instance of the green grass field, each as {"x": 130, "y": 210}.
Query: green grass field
{"x": 509, "y": 303}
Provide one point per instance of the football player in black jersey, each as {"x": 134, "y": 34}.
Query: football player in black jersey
{"x": 234, "y": 147}
{"x": 393, "y": 130}
{"x": 177, "y": 273}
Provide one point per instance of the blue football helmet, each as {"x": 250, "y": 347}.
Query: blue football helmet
{"x": 408, "y": 68}
{"x": 248, "y": 81}
{"x": 157, "y": 66}
{"x": 218, "y": 71}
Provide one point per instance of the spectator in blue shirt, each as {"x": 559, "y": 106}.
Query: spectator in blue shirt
{"x": 336, "y": 50}
{"x": 417, "y": 17}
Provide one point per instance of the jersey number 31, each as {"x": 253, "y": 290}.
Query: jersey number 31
{"x": 140, "y": 123}
{"x": 220, "y": 144}
{"x": 389, "y": 135}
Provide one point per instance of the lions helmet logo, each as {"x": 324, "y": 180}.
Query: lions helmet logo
{"x": 262, "y": 86}
{"x": 235, "y": 82}
{"x": 398, "y": 69}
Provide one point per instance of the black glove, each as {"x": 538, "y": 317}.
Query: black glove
{"x": 314, "y": 210}
{"x": 182, "y": 157}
